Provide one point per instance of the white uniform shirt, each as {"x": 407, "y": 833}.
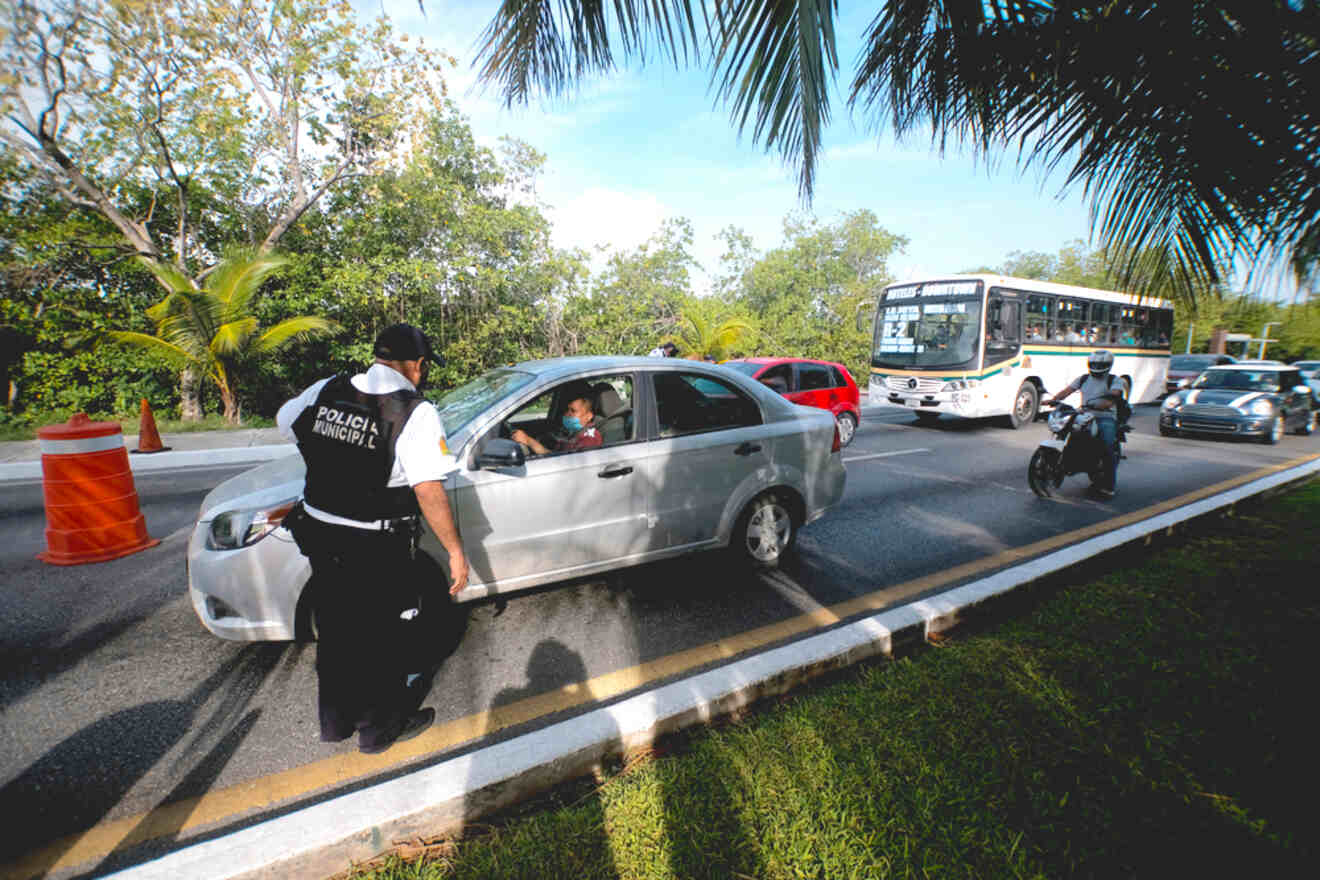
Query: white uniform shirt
{"x": 420, "y": 455}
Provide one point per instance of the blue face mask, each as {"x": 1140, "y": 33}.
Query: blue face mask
{"x": 573, "y": 423}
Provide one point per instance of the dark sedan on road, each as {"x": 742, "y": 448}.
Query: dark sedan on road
{"x": 1260, "y": 401}
{"x": 1189, "y": 366}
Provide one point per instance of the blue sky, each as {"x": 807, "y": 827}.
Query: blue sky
{"x": 648, "y": 143}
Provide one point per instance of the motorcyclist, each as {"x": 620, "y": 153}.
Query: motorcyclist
{"x": 1101, "y": 393}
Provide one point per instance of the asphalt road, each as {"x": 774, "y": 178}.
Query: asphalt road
{"x": 116, "y": 701}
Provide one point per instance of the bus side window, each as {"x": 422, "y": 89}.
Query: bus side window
{"x": 1040, "y": 317}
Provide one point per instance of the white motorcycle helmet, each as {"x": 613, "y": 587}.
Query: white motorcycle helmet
{"x": 1100, "y": 363}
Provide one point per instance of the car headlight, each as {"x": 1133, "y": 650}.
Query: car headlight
{"x": 1260, "y": 407}
{"x": 233, "y": 529}
{"x": 1171, "y": 403}
{"x": 960, "y": 384}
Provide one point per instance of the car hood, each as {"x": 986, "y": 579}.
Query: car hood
{"x": 1224, "y": 396}
{"x": 265, "y": 485}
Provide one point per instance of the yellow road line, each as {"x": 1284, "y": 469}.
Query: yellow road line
{"x": 286, "y": 785}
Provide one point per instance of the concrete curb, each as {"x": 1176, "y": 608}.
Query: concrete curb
{"x": 28, "y": 471}
{"x": 321, "y": 840}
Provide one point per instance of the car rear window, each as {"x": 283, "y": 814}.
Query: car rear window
{"x": 814, "y": 376}
{"x": 1191, "y": 361}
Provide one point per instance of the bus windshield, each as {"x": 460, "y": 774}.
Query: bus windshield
{"x": 927, "y": 333}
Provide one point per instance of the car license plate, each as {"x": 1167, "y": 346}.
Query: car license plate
{"x": 915, "y": 404}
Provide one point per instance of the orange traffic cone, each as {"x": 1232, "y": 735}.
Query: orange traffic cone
{"x": 148, "y": 436}
{"x": 92, "y": 512}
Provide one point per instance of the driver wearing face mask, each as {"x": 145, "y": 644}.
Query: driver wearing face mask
{"x": 578, "y": 429}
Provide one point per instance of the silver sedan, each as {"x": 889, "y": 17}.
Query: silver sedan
{"x": 694, "y": 457}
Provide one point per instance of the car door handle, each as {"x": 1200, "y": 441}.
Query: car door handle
{"x": 747, "y": 449}
{"x": 610, "y": 473}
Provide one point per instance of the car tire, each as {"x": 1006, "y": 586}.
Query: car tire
{"x": 1167, "y": 432}
{"x": 847, "y": 427}
{"x": 1026, "y": 403}
{"x": 765, "y": 531}
{"x": 1276, "y": 431}
{"x": 1308, "y": 425}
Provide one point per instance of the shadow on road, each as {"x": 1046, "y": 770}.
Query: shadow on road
{"x": 80, "y": 781}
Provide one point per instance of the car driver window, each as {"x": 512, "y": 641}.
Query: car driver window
{"x": 575, "y": 416}
{"x": 690, "y": 403}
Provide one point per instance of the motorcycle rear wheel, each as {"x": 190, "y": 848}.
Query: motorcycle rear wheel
{"x": 1042, "y": 473}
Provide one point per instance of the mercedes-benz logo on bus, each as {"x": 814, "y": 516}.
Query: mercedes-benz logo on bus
{"x": 912, "y": 384}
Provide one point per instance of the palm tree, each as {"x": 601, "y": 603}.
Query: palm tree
{"x": 699, "y": 336}
{"x": 205, "y": 331}
{"x": 1193, "y": 127}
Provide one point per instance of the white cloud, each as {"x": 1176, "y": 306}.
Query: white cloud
{"x": 621, "y": 220}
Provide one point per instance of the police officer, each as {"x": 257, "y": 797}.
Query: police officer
{"x": 376, "y": 458}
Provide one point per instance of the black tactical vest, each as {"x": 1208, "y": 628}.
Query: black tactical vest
{"x": 347, "y": 438}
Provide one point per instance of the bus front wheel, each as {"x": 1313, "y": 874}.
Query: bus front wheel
{"x": 1025, "y": 405}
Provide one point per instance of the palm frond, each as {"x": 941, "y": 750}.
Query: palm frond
{"x": 538, "y": 45}
{"x": 174, "y": 354}
{"x": 169, "y": 277}
{"x": 779, "y": 58}
{"x": 231, "y": 337}
{"x": 238, "y": 278}
{"x": 301, "y": 329}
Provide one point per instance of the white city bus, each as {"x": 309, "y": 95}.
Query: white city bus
{"x": 989, "y": 345}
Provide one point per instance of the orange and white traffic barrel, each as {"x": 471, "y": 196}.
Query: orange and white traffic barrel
{"x": 91, "y": 502}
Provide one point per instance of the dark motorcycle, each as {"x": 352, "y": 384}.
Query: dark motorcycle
{"x": 1074, "y": 448}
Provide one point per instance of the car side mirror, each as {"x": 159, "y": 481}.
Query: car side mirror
{"x": 500, "y": 452}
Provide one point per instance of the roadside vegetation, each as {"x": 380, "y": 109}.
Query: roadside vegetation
{"x": 1149, "y": 720}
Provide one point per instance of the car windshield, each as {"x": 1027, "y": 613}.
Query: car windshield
{"x": 462, "y": 404}
{"x": 1238, "y": 380}
{"x": 1189, "y": 362}
{"x": 744, "y": 367}
{"x": 917, "y": 333}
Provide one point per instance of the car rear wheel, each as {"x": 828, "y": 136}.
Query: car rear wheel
{"x": 847, "y": 427}
{"x": 765, "y": 530}
{"x": 1276, "y": 430}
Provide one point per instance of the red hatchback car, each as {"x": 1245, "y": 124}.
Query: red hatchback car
{"x": 806, "y": 382}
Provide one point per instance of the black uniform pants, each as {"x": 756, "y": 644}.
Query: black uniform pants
{"x": 362, "y": 580}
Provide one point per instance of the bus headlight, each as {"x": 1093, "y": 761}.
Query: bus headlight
{"x": 960, "y": 384}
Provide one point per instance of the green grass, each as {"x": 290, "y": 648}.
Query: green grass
{"x": 1151, "y": 720}
{"x": 129, "y": 424}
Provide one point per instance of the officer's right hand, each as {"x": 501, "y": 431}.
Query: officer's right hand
{"x": 458, "y": 570}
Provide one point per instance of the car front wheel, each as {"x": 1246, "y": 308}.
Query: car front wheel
{"x": 765, "y": 531}
{"x": 1276, "y": 430}
{"x": 1308, "y": 423}
{"x": 847, "y": 427}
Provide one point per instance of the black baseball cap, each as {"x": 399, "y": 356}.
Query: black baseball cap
{"x": 404, "y": 342}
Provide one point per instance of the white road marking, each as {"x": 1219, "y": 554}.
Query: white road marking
{"x": 884, "y": 454}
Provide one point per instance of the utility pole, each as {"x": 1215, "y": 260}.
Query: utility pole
{"x": 1265, "y": 336}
